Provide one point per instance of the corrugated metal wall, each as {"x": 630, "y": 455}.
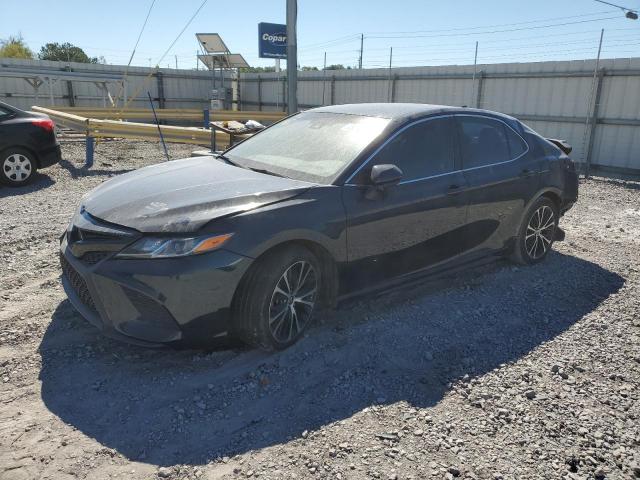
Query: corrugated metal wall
{"x": 182, "y": 88}
{"x": 552, "y": 97}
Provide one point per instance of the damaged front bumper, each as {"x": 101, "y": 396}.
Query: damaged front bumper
{"x": 153, "y": 302}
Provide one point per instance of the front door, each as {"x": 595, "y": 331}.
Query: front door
{"x": 406, "y": 227}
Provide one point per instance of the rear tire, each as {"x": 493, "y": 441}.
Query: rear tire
{"x": 17, "y": 167}
{"x": 537, "y": 232}
{"x": 275, "y": 302}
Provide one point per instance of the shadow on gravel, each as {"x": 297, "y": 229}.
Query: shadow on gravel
{"x": 39, "y": 182}
{"x": 167, "y": 407}
{"x": 83, "y": 171}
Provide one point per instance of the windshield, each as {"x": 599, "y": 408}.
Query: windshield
{"x": 310, "y": 146}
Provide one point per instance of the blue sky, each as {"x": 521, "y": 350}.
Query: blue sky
{"x": 421, "y": 32}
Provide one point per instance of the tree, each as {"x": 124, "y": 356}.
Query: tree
{"x": 338, "y": 66}
{"x": 309, "y": 69}
{"x": 66, "y": 52}
{"x": 257, "y": 69}
{"x": 14, "y": 47}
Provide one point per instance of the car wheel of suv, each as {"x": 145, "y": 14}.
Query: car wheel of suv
{"x": 537, "y": 232}
{"x": 275, "y": 303}
{"x": 17, "y": 167}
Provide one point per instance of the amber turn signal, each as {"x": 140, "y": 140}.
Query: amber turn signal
{"x": 212, "y": 243}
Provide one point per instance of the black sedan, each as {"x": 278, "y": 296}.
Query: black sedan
{"x": 27, "y": 142}
{"x": 326, "y": 204}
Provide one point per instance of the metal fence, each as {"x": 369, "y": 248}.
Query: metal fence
{"x": 598, "y": 114}
{"x": 24, "y": 83}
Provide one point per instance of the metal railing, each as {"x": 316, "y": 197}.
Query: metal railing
{"x": 180, "y": 114}
{"x": 99, "y": 128}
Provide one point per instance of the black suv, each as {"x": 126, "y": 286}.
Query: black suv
{"x": 27, "y": 142}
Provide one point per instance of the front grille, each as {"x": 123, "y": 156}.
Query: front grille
{"x": 77, "y": 283}
{"x": 91, "y": 258}
{"x": 95, "y": 235}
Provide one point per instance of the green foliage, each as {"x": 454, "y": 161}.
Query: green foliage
{"x": 338, "y": 66}
{"x": 258, "y": 70}
{"x": 14, "y": 47}
{"x": 66, "y": 52}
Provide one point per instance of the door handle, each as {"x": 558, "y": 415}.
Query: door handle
{"x": 527, "y": 173}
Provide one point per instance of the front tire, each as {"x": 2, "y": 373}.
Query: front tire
{"x": 537, "y": 232}
{"x": 17, "y": 167}
{"x": 275, "y": 303}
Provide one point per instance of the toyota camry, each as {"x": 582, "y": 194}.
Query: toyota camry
{"x": 326, "y": 204}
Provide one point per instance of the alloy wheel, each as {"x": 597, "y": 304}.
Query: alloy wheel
{"x": 17, "y": 167}
{"x": 292, "y": 301}
{"x": 540, "y": 232}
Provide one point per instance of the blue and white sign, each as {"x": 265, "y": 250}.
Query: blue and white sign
{"x": 272, "y": 40}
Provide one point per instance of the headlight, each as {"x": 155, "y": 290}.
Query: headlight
{"x": 165, "y": 247}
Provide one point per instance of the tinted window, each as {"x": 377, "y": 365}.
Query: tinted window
{"x": 482, "y": 141}
{"x": 516, "y": 144}
{"x": 422, "y": 150}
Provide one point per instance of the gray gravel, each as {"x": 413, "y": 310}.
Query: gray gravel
{"x": 500, "y": 372}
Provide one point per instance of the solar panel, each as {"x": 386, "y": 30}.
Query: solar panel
{"x": 230, "y": 60}
{"x": 212, "y": 43}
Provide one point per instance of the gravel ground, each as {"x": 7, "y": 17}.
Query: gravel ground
{"x": 500, "y": 372}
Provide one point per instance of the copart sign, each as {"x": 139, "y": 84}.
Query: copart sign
{"x": 272, "y": 40}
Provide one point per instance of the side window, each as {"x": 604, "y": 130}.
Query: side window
{"x": 517, "y": 146}
{"x": 4, "y": 114}
{"x": 422, "y": 150}
{"x": 483, "y": 141}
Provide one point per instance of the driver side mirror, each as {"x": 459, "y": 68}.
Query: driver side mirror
{"x": 385, "y": 175}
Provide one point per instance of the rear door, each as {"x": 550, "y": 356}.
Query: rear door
{"x": 412, "y": 225}
{"x": 502, "y": 176}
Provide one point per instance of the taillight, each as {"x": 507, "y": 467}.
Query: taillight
{"x": 45, "y": 123}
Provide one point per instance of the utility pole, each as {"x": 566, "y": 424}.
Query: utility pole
{"x": 176, "y": 56}
{"x": 390, "y": 84}
{"x": 588, "y": 132}
{"x": 473, "y": 80}
{"x": 361, "y": 49}
{"x": 292, "y": 57}
{"x": 324, "y": 75}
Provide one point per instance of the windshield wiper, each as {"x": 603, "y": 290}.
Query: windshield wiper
{"x": 267, "y": 172}
{"x": 222, "y": 156}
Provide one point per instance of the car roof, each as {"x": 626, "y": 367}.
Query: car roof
{"x": 400, "y": 111}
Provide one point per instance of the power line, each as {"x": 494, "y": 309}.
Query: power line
{"x": 498, "y": 25}
{"x": 536, "y": 27}
{"x": 140, "y": 34}
{"x": 182, "y": 31}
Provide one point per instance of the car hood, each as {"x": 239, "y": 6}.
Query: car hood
{"x": 183, "y": 195}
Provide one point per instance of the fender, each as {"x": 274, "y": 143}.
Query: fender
{"x": 535, "y": 197}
